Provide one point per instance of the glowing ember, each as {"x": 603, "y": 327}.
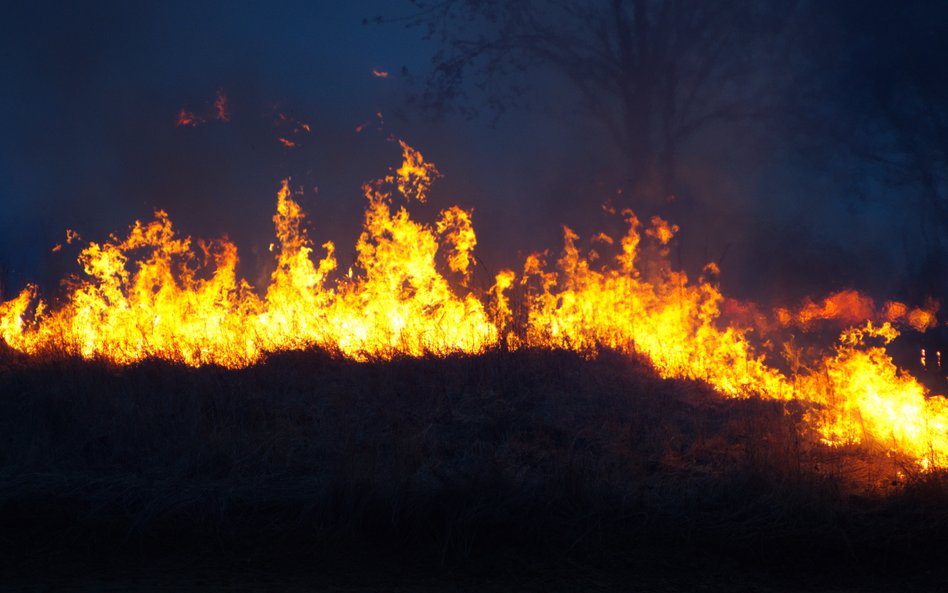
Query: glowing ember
{"x": 188, "y": 119}
{"x": 220, "y": 107}
{"x": 292, "y": 129}
{"x": 220, "y": 111}
{"x": 156, "y": 294}
{"x": 378, "y": 116}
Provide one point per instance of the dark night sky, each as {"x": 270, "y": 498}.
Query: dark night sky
{"x": 93, "y": 91}
{"x": 88, "y": 140}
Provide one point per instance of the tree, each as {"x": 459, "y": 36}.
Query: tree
{"x": 877, "y": 92}
{"x": 655, "y": 72}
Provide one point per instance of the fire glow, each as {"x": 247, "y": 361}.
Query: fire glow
{"x": 155, "y": 294}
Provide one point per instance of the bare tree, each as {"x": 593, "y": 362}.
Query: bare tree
{"x": 654, "y": 72}
{"x": 876, "y": 99}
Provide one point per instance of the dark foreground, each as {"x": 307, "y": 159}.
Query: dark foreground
{"x": 526, "y": 471}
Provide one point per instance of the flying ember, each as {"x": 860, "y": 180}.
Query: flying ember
{"x": 157, "y": 294}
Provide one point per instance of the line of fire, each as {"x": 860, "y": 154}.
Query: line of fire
{"x": 154, "y": 293}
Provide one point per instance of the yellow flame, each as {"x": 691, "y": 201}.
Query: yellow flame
{"x": 415, "y": 175}
{"x": 174, "y": 303}
{"x": 156, "y": 294}
{"x": 863, "y": 395}
{"x": 458, "y": 231}
{"x": 664, "y": 317}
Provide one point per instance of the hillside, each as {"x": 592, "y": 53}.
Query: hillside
{"x": 497, "y": 466}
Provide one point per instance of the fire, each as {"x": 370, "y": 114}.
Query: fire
{"x": 378, "y": 116}
{"x": 399, "y": 304}
{"x": 156, "y": 294}
{"x": 923, "y": 319}
{"x": 661, "y": 315}
{"x": 863, "y": 395}
{"x": 185, "y": 304}
{"x": 849, "y": 306}
{"x": 292, "y": 129}
{"x": 188, "y": 119}
{"x": 221, "y": 110}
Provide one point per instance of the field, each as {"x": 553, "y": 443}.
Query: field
{"x": 529, "y": 470}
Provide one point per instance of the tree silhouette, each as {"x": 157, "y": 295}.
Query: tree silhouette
{"x": 876, "y": 99}
{"x": 655, "y": 72}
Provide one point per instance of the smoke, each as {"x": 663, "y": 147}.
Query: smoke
{"x": 90, "y": 142}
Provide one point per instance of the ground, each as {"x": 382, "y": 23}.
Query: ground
{"x": 508, "y": 471}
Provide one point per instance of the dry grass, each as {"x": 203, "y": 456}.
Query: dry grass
{"x": 540, "y": 458}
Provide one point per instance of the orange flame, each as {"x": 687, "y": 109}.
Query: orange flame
{"x": 864, "y": 396}
{"x": 220, "y": 111}
{"x": 188, "y": 119}
{"x": 850, "y": 307}
{"x": 178, "y": 304}
{"x": 220, "y": 107}
{"x": 291, "y": 127}
{"x": 155, "y": 293}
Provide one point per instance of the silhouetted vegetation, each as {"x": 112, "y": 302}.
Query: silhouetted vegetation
{"x": 509, "y": 463}
{"x": 656, "y": 74}
{"x": 857, "y": 89}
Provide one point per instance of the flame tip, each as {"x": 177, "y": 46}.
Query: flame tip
{"x": 408, "y": 290}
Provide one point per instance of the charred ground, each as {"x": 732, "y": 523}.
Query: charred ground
{"x": 520, "y": 470}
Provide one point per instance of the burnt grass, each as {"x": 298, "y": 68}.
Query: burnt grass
{"x": 533, "y": 465}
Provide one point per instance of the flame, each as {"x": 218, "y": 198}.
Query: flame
{"x": 155, "y": 293}
{"x": 378, "y": 116}
{"x": 188, "y": 305}
{"x": 664, "y": 316}
{"x": 863, "y": 395}
{"x": 415, "y": 175}
{"x": 221, "y": 110}
{"x": 662, "y": 230}
{"x": 848, "y": 306}
{"x": 923, "y": 319}
{"x": 294, "y": 125}
{"x": 458, "y": 231}
{"x": 378, "y": 73}
{"x": 291, "y": 127}
{"x": 188, "y": 119}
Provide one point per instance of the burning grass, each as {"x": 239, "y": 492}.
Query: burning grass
{"x": 152, "y": 294}
{"x": 533, "y": 454}
{"x": 602, "y": 403}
